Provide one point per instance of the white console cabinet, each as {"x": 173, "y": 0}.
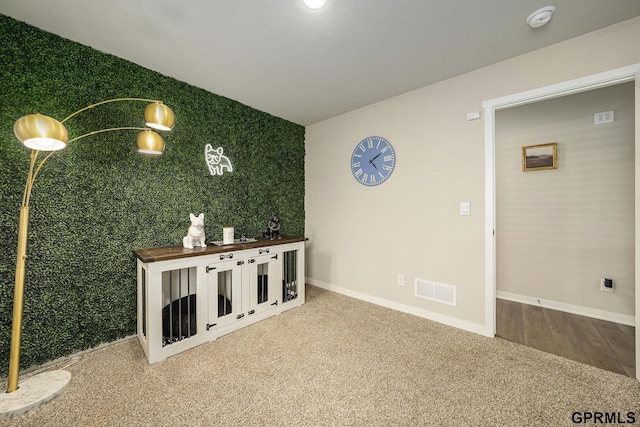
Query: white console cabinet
{"x": 187, "y": 297}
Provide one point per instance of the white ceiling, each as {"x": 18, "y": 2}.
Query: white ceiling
{"x": 304, "y": 65}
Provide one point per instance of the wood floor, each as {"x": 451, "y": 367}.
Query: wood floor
{"x": 599, "y": 343}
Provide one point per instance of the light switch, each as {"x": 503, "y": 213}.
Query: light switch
{"x": 473, "y": 115}
{"x": 464, "y": 208}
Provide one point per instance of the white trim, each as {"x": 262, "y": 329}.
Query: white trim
{"x": 595, "y": 81}
{"x": 582, "y": 84}
{"x": 637, "y": 223}
{"x": 489, "y": 220}
{"x": 569, "y": 308}
{"x": 450, "y": 321}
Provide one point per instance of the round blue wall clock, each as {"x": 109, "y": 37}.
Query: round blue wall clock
{"x": 372, "y": 161}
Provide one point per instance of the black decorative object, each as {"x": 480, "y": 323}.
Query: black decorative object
{"x": 273, "y": 229}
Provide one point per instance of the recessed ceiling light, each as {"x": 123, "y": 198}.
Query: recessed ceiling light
{"x": 315, "y": 4}
{"x": 540, "y": 16}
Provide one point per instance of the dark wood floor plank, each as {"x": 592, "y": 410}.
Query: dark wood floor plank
{"x": 626, "y": 329}
{"x": 509, "y": 321}
{"x": 621, "y": 346}
{"x": 594, "y": 345}
{"x": 536, "y": 331}
{"x": 599, "y": 343}
{"x": 564, "y": 342}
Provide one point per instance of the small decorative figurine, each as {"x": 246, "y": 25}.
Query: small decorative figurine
{"x": 273, "y": 229}
{"x": 195, "y": 234}
{"x": 216, "y": 161}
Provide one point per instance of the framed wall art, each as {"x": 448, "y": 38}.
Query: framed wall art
{"x": 540, "y": 157}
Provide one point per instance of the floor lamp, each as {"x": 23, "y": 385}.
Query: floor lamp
{"x": 45, "y": 134}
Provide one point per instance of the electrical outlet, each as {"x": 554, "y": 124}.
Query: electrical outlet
{"x": 400, "y": 279}
{"x": 603, "y": 117}
{"x": 606, "y": 285}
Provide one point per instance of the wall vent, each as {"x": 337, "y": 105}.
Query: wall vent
{"x": 436, "y": 292}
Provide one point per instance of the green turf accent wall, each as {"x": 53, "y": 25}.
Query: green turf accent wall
{"x": 98, "y": 199}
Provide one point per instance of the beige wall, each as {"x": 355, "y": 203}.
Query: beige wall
{"x": 560, "y": 231}
{"x": 362, "y": 238}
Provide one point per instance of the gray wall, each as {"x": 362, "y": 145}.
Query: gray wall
{"x": 560, "y": 231}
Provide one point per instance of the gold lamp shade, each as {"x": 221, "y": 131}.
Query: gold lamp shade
{"x": 40, "y": 132}
{"x": 159, "y": 116}
{"x": 149, "y": 142}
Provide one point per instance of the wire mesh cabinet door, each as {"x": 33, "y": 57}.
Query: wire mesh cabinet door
{"x": 263, "y": 280}
{"x": 224, "y": 293}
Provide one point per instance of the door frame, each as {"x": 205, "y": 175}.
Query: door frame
{"x": 583, "y": 84}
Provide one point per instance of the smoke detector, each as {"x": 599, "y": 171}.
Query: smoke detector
{"x": 540, "y": 16}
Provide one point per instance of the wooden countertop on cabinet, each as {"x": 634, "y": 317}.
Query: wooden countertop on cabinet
{"x": 164, "y": 253}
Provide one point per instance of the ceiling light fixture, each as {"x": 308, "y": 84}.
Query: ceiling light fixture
{"x": 541, "y": 16}
{"x": 314, "y": 4}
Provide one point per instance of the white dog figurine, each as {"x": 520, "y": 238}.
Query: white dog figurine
{"x": 195, "y": 234}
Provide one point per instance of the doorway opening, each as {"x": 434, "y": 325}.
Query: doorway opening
{"x": 611, "y": 78}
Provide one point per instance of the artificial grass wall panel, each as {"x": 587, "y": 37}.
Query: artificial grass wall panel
{"x": 98, "y": 199}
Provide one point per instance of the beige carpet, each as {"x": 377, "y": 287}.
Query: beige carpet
{"x": 335, "y": 361}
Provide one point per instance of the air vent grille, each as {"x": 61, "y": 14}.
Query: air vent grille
{"x": 438, "y": 292}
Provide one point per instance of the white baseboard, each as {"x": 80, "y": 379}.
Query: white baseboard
{"x": 447, "y": 320}
{"x": 569, "y": 308}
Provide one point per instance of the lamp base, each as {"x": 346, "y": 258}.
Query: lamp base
{"x": 33, "y": 392}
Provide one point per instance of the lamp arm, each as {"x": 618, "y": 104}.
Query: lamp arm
{"x": 35, "y": 173}
{"x": 31, "y": 177}
{"x": 104, "y": 130}
{"x": 108, "y": 101}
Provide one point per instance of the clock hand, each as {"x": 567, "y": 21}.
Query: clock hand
{"x": 375, "y": 157}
